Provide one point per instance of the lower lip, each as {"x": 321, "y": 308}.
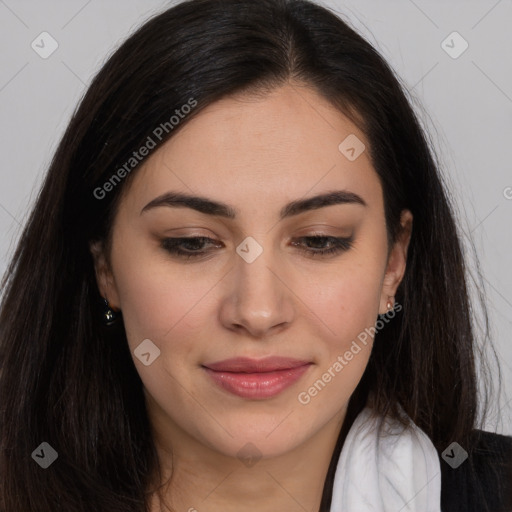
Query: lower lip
{"x": 257, "y": 386}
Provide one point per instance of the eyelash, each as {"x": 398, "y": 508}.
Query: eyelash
{"x": 171, "y": 245}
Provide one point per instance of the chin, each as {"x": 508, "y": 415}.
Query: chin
{"x": 268, "y": 437}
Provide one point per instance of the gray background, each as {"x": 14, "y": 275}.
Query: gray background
{"x": 465, "y": 103}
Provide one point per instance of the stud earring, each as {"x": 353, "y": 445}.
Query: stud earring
{"x": 389, "y": 303}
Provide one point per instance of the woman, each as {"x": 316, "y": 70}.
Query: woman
{"x": 286, "y": 322}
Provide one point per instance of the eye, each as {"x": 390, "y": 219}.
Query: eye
{"x": 193, "y": 247}
{"x": 337, "y": 245}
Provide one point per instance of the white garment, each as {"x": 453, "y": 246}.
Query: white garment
{"x": 399, "y": 472}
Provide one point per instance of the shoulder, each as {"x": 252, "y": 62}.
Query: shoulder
{"x": 475, "y": 484}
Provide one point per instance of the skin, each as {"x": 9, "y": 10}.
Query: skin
{"x": 256, "y": 154}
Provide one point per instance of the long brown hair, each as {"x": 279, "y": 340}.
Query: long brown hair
{"x": 69, "y": 381}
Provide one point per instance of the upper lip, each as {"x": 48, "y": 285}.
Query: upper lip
{"x": 247, "y": 365}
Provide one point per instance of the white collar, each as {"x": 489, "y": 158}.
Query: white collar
{"x": 399, "y": 472}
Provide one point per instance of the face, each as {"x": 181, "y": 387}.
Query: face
{"x": 251, "y": 282}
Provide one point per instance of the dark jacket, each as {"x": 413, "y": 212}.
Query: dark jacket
{"x": 474, "y": 485}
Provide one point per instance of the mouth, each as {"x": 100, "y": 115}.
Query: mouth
{"x": 256, "y": 379}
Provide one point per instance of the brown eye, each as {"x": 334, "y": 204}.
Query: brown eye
{"x": 187, "y": 247}
{"x": 337, "y": 245}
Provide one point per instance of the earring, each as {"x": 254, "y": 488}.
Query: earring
{"x": 390, "y": 303}
{"x": 109, "y": 315}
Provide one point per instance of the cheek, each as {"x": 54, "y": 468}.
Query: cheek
{"x": 348, "y": 308}
{"x": 162, "y": 300}
{"x": 346, "y": 298}
{"x": 347, "y": 301}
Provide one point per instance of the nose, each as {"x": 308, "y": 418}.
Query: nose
{"x": 258, "y": 298}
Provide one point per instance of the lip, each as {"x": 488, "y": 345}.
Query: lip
{"x": 256, "y": 379}
{"x": 248, "y": 365}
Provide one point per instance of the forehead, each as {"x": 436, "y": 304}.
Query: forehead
{"x": 249, "y": 149}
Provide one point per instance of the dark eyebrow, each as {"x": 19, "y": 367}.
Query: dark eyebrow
{"x": 210, "y": 207}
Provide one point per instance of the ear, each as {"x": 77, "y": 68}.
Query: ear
{"x": 104, "y": 276}
{"x": 396, "y": 262}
